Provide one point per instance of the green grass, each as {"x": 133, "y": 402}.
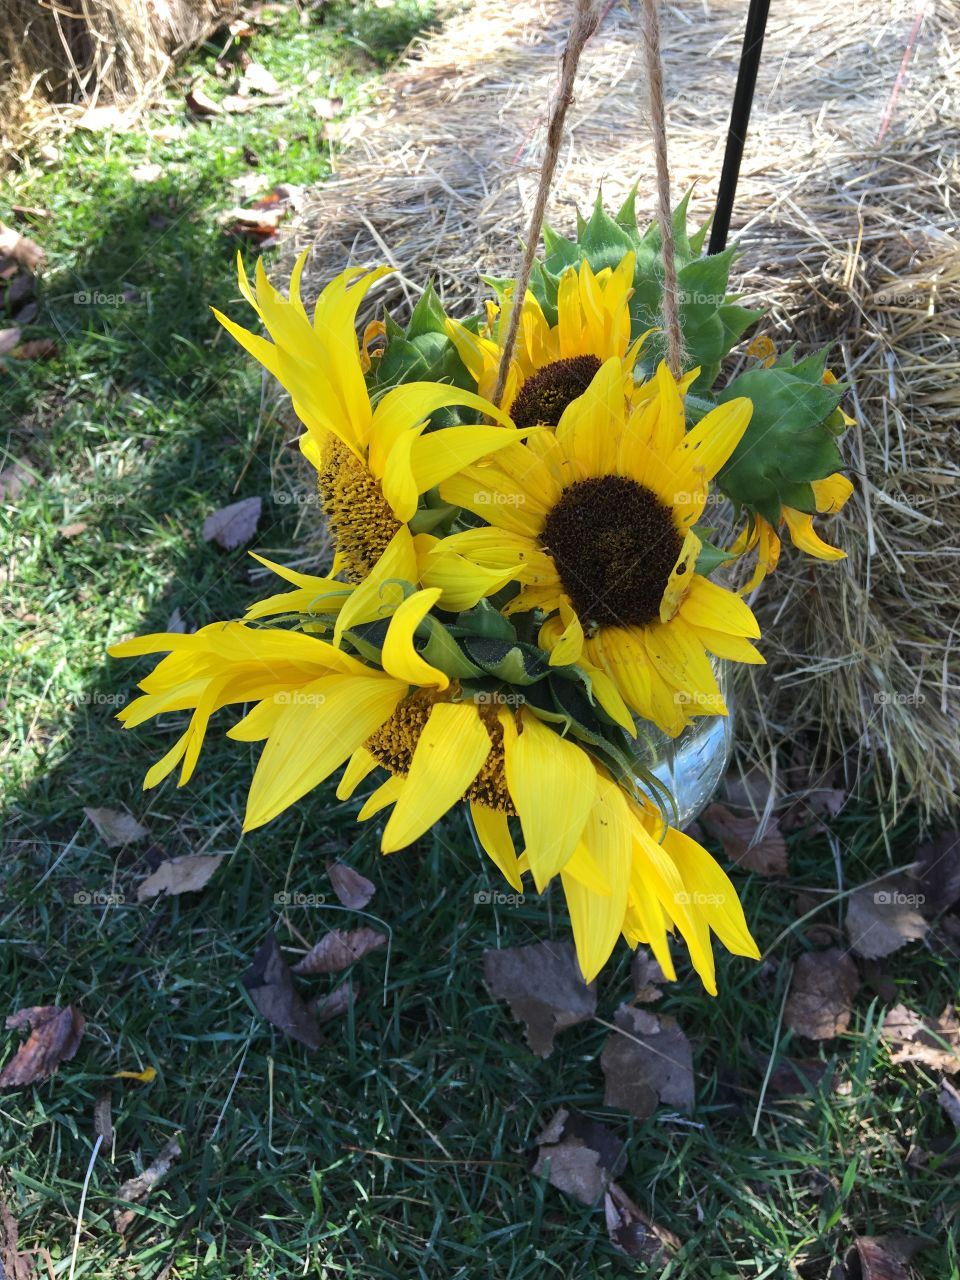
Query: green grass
{"x": 401, "y": 1149}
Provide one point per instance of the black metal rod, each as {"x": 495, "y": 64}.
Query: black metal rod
{"x": 739, "y": 121}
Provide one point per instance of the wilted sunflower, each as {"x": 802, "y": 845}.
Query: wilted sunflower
{"x": 758, "y": 534}
{"x": 553, "y": 364}
{"x": 599, "y": 516}
{"x": 318, "y": 708}
{"x": 372, "y": 463}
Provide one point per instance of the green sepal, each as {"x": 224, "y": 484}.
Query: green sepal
{"x": 429, "y": 519}
{"x": 514, "y": 663}
{"x": 711, "y": 557}
{"x": 485, "y": 621}
{"x": 442, "y": 651}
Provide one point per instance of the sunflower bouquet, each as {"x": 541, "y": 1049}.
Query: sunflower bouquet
{"x": 525, "y": 590}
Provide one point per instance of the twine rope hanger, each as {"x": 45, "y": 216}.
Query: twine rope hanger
{"x": 587, "y": 15}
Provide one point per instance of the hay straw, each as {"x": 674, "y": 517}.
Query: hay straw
{"x": 844, "y": 240}
{"x": 62, "y": 59}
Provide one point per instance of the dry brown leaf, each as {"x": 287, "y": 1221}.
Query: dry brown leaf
{"x": 35, "y": 349}
{"x": 743, "y": 842}
{"x": 578, "y": 1155}
{"x": 9, "y": 338}
{"x": 883, "y": 917}
{"x": 338, "y": 950}
{"x": 55, "y": 1036}
{"x": 648, "y": 1062}
{"x": 187, "y": 874}
{"x": 632, "y": 1232}
{"x": 146, "y": 172}
{"x": 103, "y": 1118}
{"x": 793, "y": 1077}
{"x": 116, "y": 828}
{"x": 199, "y": 102}
{"x": 934, "y": 1042}
{"x": 353, "y": 889}
{"x": 821, "y": 995}
{"x": 22, "y": 250}
{"x": 138, "y": 1188}
{"x": 949, "y": 1098}
{"x": 881, "y": 1257}
{"x": 647, "y": 977}
{"x": 271, "y": 989}
{"x": 14, "y": 1265}
{"x": 257, "y": 79}
{"x": 256, "y": 219}
{"x": 13, "y": 479}
{"x": 73, "y": 530}
{"x": 544, "y": 988}
{"x": 99, "y": 119}
{"x": 233, "y": 525}
{"x": 337, "y": 1002}
{"x": 936, "y": 873}
{"x": 326, "y": 108}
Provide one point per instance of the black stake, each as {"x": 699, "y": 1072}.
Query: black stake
{"x": 739, "y": 120}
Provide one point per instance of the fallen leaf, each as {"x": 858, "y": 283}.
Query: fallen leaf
{"x": 883, "y": 917}
{"x": 936, "y": 873}
{"x": 336, "y": 1003}
{"x": 233, "y": 525}
{"x": 13, "y": 479}
{"x": 103, "y": 1118}
{"x": 248, "y": 184}
{"x": 631, "y": 1231}
{"x": 881, "y": 1257}
{"x": 97, "y": 119}
{"x": 353, "y": 889}
{"x": 14, "y": 1265}
{"x": 55, "y": 1036}
{"x": 240, "y": 29}
{"x": 578, "y": 1155}
{"x": 793, "y": 1077}
{"x": 138, "y": 1188}
{"x": 812, "y": 807}
{"x": 647, "y": 977}
{"x": 949, "y": 1098}
{"x": 187, "y": 874}
{"x": 199, "y": 102}
{"x": 22, "y": 250}
{"x": 265, "y": 220}
{"x": 544, "y": 987}
{"x": 820, "y": 1002}
{"x": 337, "y": 950}
{"x": 116, "y": 828}
{"x": 258, "y": 79}
{"x": 9, "y": 338}
{"x": 146, "y": 172}
{"x": 35, "y": 349}
{"x": 271, "y": 989}
{"x": 754, "y": 849}
{"x": 326, "y": 108}
{"x": 73, "y": 530}
{"x": 176, "y": 623}
{"x": 651, "y": 1064}
{"x": 934, "y": 1042}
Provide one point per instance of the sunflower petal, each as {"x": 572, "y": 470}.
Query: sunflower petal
{"x": 399, "y": 658}
{"x": 493, "y": 832}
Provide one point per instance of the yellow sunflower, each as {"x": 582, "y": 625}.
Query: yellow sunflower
{"x": 317, "y": 708}
{"x": 553, "y": 364}
{"x": 829, "y": 495}
{"x": 372, "y": 462}
{"x": 599, "y": 516}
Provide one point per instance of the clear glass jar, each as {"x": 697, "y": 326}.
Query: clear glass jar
{"x": 691, "y": 765}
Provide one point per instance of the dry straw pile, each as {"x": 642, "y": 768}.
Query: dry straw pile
{"x": 847, "y": 238}
{"x": 61, "y": 59}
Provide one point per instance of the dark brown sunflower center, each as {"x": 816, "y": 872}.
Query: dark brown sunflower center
{"x": 542, "y": 399}
{"x": 614, "y": 544}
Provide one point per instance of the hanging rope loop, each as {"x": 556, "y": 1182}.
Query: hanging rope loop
{"x": 658, "y": 126}
{"x": 586, "y": 18}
